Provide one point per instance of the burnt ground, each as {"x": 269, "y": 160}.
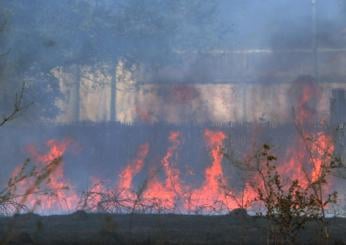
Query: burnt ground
{"x": 83, "y": 228}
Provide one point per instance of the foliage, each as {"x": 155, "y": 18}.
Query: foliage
{"x": 289, "y": 207}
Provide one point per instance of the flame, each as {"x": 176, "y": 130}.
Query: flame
{"x": 125, "y": 188}
{"x": 293, "y": 168}
{"x": 164, "y": 190}
{"x": 322, "y": 149}
{"x": 310, "y": 150}
{"x": 211, "y": 193}
{"x": 156, "y": 194}
{"x": 94, "y": 196}
{"x": 53, "y": 194}
{"x": 304, "y": 111}
{"x": 166, "y": 194}
{"x": 126, "y": 176}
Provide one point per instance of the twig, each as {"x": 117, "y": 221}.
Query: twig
{"x": 18, "y": 107}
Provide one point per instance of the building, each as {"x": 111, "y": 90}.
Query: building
{"x": 216, "y": 87}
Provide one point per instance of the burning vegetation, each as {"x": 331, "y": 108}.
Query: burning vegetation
{"x": 290, "y": 192}
{"x": 309, "y": 160}
{"x": 213, "y": 131}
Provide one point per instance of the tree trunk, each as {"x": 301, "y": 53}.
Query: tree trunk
{"x": 113, "y": 92}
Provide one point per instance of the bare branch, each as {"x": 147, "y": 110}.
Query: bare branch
{"x": 17, "y": 107}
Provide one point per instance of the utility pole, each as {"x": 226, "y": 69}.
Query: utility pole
{"x": 314, "y": 39}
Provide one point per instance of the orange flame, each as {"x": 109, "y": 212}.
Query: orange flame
{"x": 55, "y": 193}
{"x": 210, "y": 193}
{"x": 311, "y": 150}
{"x": 322, "y": 149}
{"x": 307, "y": 158}
{"x": 166, "y": 194}
{"x": 125, "y": 183}
{"x": 170, "y": 194}
{"x": 126, "y": 176}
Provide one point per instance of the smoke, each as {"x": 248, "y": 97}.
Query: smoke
{"x": 163, "y": 66}
{"x": 176, "y": 42}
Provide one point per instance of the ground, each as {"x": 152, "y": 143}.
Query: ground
{"x": 83, "y": 228}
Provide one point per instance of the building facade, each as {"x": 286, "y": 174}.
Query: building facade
{"x": 246, "y": 92}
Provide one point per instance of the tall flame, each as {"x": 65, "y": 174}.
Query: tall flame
{"x": 322, "y": 149}
{"x": 125, "y": 187}
{"x": 209, "y": 192}
{"x": 311, "y": 150}
{"x": 166, "y": 194}
{"x": 126, "y": 176}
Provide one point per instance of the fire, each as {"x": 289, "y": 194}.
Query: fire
{"x": 164, "y": 189}
{"x": 126, "y": 176}
{"x": 311, "y": 151}
{"x": 94, "y": 197}
{"x": 294, "y": 167}
{"x": 125, "y": 187}
{"x": 170, "y": 194}
{"x": 46, "y": 189}
{"x": 304, "y": 111}
{"x": 210, "y": 192}
{"x": 300, "y": 166}
{"x": 56, "y": 150}
{"x": 166, "y": 194}
{"x": 322, "y": 149}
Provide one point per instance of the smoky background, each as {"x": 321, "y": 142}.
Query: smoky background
{"x": 174, "y": 45}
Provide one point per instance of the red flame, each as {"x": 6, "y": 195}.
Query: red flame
{"x": 210, "y": 191}
{"x": 322, "y": 149}
{"x": 311, "y": 150}
{"x": 307, "y": 158}
{"x": 125, "y": 183}
{"x": 126, "y": 176}
{"x": 166, "y": 194}
{"x": 54, "y": 195}
{"x": 164, "y": 190}
{"x": 95, "y": 197}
